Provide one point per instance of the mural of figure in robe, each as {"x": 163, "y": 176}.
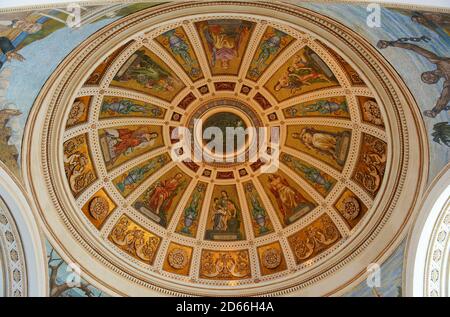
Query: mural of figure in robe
{"x": 163, "y": 192}
{"x": 430, "y": 77}
{"x": 225, "y": 218}
{"x": 290, "y": 201}
{"x": 180, "y": 47}
{"x": 224, "y": 211}
{"x": 225, "y": 42}
{"x": 327, "y": 143}
{"x": 159, "y": 201}
{"x": 300, "y": 73}
{"x": 124, "y": 143}
{"x": 272, "y": 43}
{"x": 146, "y": 72}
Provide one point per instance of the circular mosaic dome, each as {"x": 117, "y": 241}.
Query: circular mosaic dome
{"x": 115, "y": 200}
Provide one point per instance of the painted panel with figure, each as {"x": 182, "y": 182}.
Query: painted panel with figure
{"x": 303, "y": 72}
{"x": 326, "y": 107}
{"x": 225, "y": 215}
{"x": 78, "y": 165}
{"x": 146, "y": 72}
{"x": 131, "y": 179}
{"x": 321, "y": 181}
{"x": 135, "y": 240}
{"x": 260, "y": 218}
{"x": 225, "y": 42}
{"x": 272, "y": 43}
{"x": 124, "y": 107}
{"x": 178, "y": 45}
{"x": 289, "y": 200}
{"x": 328, "y": 144}
{"x": 160, "y": 200}
{"x": 188, "y": 223}
{"x": 317, "y": 237}
{"x": 121, "y": 144}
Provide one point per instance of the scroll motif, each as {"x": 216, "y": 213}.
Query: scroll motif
{"x": 177, "y": 43}
{"x": 134, "y": 240}
{"x": 77, "y": 164}
{"x": 225, "y": 265}
{"x": 79, "y": 111}
{"x": 314, "y": 239}
{"x": 371, "y": 164}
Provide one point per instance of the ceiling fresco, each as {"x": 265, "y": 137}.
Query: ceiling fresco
{"x": 210, "y": 226}
{"x": 315, "y": 104}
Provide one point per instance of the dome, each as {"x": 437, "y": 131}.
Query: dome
{"x": 142, "y": 214}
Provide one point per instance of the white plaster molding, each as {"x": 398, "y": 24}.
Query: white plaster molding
{"x": 420, "y": 261}
{"x": 28, "y": 236}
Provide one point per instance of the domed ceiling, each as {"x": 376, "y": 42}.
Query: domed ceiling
{"x": 208, "y": 227}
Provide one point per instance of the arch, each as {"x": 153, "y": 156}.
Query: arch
{"x": 23, "y": 251}
{"x": 428, "y": 255}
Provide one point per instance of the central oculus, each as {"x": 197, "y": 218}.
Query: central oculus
{"x": 227, "y": 119}
{"x": 230, "y": 124}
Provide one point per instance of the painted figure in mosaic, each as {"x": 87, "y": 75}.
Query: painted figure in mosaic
{"x": 326, "y": 107}
{"x": 302, "y": 72}
{"x": 313, "y": 175}
{"x": 258, "y": 213}
{"x": 136, "y": 175}
{"x": 288, "y": 198}
{"x": 191, "y": 212}
{"x": 431, "y": 77}
{"x": 324, "y": 142}
{"x": 224, "y": 38}
{"x": 148, "y": 73}
{"x": 127, "y": 107}
{"x": 163, "y": 193}
{"x": 181, "y": 48}
{"x": 268, "y": 47}
{"x": 124, "y": 141}
{"x": 225, "y": 213}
